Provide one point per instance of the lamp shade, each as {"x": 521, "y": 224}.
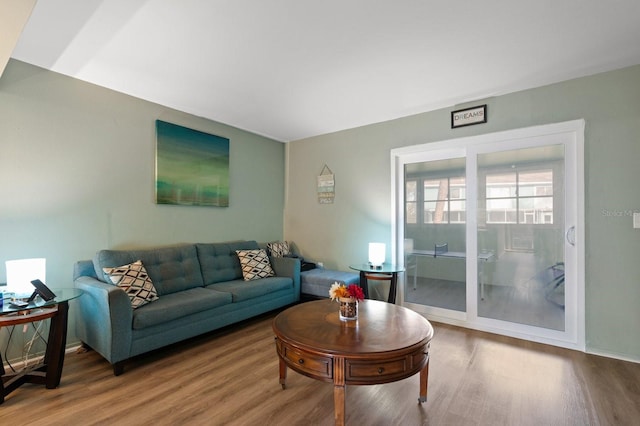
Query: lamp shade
{"x": 21, "y": 272}
{"x": 376, "y": 253}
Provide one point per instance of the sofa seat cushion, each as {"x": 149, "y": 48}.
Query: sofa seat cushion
{"x": 176, "y": 305}
{"x": 244, "y": 290}
{"x": 317, "y": 282}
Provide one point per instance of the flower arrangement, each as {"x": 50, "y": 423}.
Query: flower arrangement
{"x": 339, "y": 291}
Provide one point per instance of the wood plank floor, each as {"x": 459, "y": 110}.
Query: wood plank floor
{"x": 230, "y": 377}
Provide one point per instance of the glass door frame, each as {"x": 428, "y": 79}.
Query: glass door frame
{"x": 571, "y": 135}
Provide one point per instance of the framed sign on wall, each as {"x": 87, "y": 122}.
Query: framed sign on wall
{"x": 469, "y": 116}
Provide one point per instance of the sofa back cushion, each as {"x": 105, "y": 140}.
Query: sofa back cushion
{"x": 219, "y": 261}
{"x": 171, "y": 269}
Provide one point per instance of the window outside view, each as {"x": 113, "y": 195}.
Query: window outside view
{"x": 520, "y": 197}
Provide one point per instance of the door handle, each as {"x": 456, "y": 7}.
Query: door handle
{"x": 571, "y": 235}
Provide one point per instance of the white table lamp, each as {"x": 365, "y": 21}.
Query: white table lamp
{"x": 376, "y": 254}
{"x": 21, "y": 272}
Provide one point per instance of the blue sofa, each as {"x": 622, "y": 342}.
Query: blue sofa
{"x": 200, "y": 289}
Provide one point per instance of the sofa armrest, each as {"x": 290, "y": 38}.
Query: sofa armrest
{"x": 105, "y": 318}
{"x": 287, "y": 267}
{"x": 84, "y": 268}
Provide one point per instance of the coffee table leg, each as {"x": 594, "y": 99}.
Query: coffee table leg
{"x": 283, "y": 373}
{"x": 424, "y": 379}
{"x": 338, "y": 404}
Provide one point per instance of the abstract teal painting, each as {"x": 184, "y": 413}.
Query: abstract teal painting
{"x": 192, "y": 167}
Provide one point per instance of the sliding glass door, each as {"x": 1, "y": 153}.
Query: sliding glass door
{"x": 520, "y": 226}
{"x": 436, "y": 216}
{"x": 489, "y": 229}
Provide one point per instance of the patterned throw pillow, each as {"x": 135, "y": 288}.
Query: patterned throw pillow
{"x": 279, "y": 249}
{"x": 255, "y": 264}
{"x": 135, "y": 281}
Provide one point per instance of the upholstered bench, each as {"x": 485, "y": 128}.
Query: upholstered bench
{"x": 315, "y": 283}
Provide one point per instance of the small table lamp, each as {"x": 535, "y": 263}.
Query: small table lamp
{"x": 21, "y": 272}
{"x": 376, "y": 255}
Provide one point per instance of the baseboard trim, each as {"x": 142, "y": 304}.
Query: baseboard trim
{"x": 19, "y": 364}
{"x": 612, "y": 355}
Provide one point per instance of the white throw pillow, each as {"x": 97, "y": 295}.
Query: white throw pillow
{"x": 135, "y": 281}
{"x": 255, "y": 264}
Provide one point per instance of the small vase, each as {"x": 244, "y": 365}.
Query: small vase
{"x": 348, "y": 309}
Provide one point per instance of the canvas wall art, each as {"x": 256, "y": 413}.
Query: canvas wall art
{"x": 192, "y": 167}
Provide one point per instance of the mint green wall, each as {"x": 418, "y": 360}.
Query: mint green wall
{"x": 77, "y": 170}
{"x": 337, "y": 234}
{"x": 77, "y": 175}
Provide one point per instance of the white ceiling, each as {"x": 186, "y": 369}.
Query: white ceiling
{"x": 290, "y": 69}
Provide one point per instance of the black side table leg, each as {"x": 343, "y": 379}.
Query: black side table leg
{"x": 364, "y": 284}
{"x": 54, "y": 355}
{"x": 393, "y": 289}
{"x": 2, "y": 390}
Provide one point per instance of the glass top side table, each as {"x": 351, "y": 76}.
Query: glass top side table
{"x": 62, "y": 295}
{"x": 385, "y": 272}
{"x": 49, "y": 371}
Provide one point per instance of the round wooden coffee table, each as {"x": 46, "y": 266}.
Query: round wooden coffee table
{"x": 385, "y": 344}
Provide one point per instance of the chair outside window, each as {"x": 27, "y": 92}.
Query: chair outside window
{"x": 440, "y": 249}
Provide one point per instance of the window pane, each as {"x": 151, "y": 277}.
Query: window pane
{"x": 543, "y": 203}
{"x": 429, "y": 210}
{"x": 457, "y": 214}
{"x": 544, "y": 190}
{"x": 538, "y": 182}
{"x": 501, "y": 204}
{"x": 526, "y": 203}
{"x": 496, "y": 217}
{"x": 536, "y": 210}
{"x": 435, "y": 189}
{"x": 457, "y": 181}
{"x": 501, "y": 210}
{"x": 526, "y": 190}
{"x": 435, "y": 212}
{"x": 501, "y": 185}
{"x": 457, "y": 206}
{"x": 412, "y": 190}
{"x": 457, "y": 189}
{"x": 526, "y": 216}
{"x": 411, "y": 213}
